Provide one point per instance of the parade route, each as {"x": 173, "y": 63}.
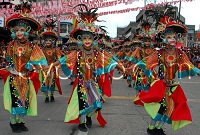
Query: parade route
{"x": 99, "y": 67}
{"x": 122, "y": 116}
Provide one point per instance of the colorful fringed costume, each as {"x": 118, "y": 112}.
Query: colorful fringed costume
{"x": 86, "y": 96}
{"x": 50, "y": 82}
{"x": 142, "y": 80}
{"x": 21, "y": 79}
{"x": 105, "y": 80}
{"x": 127, "y": 45}
{"x": 165, "y": 101}
{"x": 72, "y": 45}
{"x": 166, "y": 96}
{"x": 19, "y": 90}
{"x": 86, "y": 64}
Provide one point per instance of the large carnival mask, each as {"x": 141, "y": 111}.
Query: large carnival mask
{"x": 87, "y": 40}
{"x": 21, "y": 30}
{"x": 48, "y": 42}
{"x": 170, "y": 37}
{"x": 147, "y": 41}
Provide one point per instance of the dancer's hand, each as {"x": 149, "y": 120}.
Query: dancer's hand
{"x": 121, "y": 67}
{"x": 130, "y": 70}
{"x": 45, "y": 68}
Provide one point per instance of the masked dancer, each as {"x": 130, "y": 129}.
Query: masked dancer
{"x": 50, "y": 82}
{"x": 165, "y": 101}
{"x": 86, "y": 98}
{"x": 22, "y": 82}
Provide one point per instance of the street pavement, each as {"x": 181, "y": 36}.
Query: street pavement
{"x": 122, "y": 116}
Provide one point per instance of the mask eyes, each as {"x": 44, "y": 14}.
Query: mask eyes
{"x": 171, "y": 36}
{"x": 48, "y": 40}
{"x": 20, "y": 30}
{"x": 90, "y": 38}
{"x": 147, "y": 40}
{"x": 84, "y": 37}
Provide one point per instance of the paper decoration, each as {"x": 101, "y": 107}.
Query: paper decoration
{"x": 40, "y": 9}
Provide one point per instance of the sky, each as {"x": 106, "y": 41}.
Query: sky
{"x": 189, "y": 10}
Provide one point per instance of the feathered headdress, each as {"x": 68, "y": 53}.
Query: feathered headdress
{"x": 86, "y": 21}
{"x": 89, "y": 15}
{"x": 102, "y": 32}
{"x": 165, "y": 18}
{"x": 24, "y": 8}
{"x": 23, "y": 16}
{"x": 145, "y": 30}
{"x": 49, "y": 25}
{"x": 160, "y": 12}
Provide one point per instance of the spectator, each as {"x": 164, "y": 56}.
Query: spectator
{"x": 198, "y": 60}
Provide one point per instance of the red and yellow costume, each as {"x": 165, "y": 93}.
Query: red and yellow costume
{"x": 51, "y": 82}
{"x": 87, "y": 64}
{"x": 143, "y": 81}
{"x": 165, "y": 101}
{"x": 21, "y": 80}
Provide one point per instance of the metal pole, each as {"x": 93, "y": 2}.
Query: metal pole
{"x": 179, "y": 11}
{"x": 58, "y": 17}
{"x": 58, "y": 25}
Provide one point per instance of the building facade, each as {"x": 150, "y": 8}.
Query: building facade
{"x": 127, "y": 32}
{"x": 134, "y": 27}
{"x": 191, "y": 37}
{"x": 197, "y": 41}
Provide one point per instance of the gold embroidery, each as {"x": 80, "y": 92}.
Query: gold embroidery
{"x": 170, "y": 103}
{"x": 170, "y": 57}
{"x": 21, "y": 83}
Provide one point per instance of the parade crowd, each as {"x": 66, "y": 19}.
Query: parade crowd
{"x": 150, "y": 62}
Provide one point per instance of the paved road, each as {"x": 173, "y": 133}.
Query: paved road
{"x": 123, "y": 117}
